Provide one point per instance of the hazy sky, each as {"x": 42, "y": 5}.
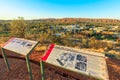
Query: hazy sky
{"x": 35, "y": 9}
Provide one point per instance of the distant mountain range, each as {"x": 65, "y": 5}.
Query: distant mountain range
{"x": 99, "y": 20}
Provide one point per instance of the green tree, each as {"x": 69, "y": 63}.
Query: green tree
{"x": 1, "y": 28}
{"x": 18, "y": 27}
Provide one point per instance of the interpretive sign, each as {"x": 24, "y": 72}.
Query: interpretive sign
{"x": 80, "y": 61}
{"x": 20, "y": 46}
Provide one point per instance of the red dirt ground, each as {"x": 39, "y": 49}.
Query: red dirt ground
{"x": 19, "y": 69}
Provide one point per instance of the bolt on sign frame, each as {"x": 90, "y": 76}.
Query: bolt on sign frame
{"x": 77, "y": 60}
{"x": 20, "y": 46}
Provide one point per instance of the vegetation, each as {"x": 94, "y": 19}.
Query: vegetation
{"x": 74, "y": 32}
{"x": 17, "y": 27}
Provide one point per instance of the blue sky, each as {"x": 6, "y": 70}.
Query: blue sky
{"x": 35, "y": 9}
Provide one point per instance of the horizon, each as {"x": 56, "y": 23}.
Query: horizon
{"x": 57, "y": 9}
{"x": 60, "y": 18}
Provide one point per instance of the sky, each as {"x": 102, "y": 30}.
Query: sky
{"x": 36, "y": 9}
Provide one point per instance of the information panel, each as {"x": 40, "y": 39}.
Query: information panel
{"x": 80, "y": 61}
{"x": 19, "y": 45}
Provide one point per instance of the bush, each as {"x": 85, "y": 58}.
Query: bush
{"x": 112, "y": 55}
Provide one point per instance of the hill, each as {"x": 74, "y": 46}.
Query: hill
{"x": 99, "y": 20}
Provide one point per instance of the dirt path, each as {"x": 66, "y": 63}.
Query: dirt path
{"x": 19, "y": 69}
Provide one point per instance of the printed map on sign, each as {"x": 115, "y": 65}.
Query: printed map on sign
{"x": 79, "y": 61}
{"x": 21, "y": 46}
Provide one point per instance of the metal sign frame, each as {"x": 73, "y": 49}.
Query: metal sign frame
{"x": 26, "y": 57}
{"x": 42, "y": 70}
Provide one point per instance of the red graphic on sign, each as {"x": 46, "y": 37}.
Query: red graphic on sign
{"x": 44, "y": 58}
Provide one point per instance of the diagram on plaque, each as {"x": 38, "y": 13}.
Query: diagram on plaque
{"x": 68, "y": 59}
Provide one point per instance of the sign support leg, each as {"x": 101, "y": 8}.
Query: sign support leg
{"x": 5, "y": 59}
{"x": 42, "y": 69}
{"x": 28, "y": 66}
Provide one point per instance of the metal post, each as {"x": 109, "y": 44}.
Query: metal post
{"x": 42, "y": 69}
{"x": 5, "y": 59}
{"x": 28, "y": 66}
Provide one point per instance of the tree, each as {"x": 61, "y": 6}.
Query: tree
{"x": 1, "y": 28}
{"x": 6, "y": 26}
{"x": 18, "y": 27}
{"x": 118, "y": 29}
